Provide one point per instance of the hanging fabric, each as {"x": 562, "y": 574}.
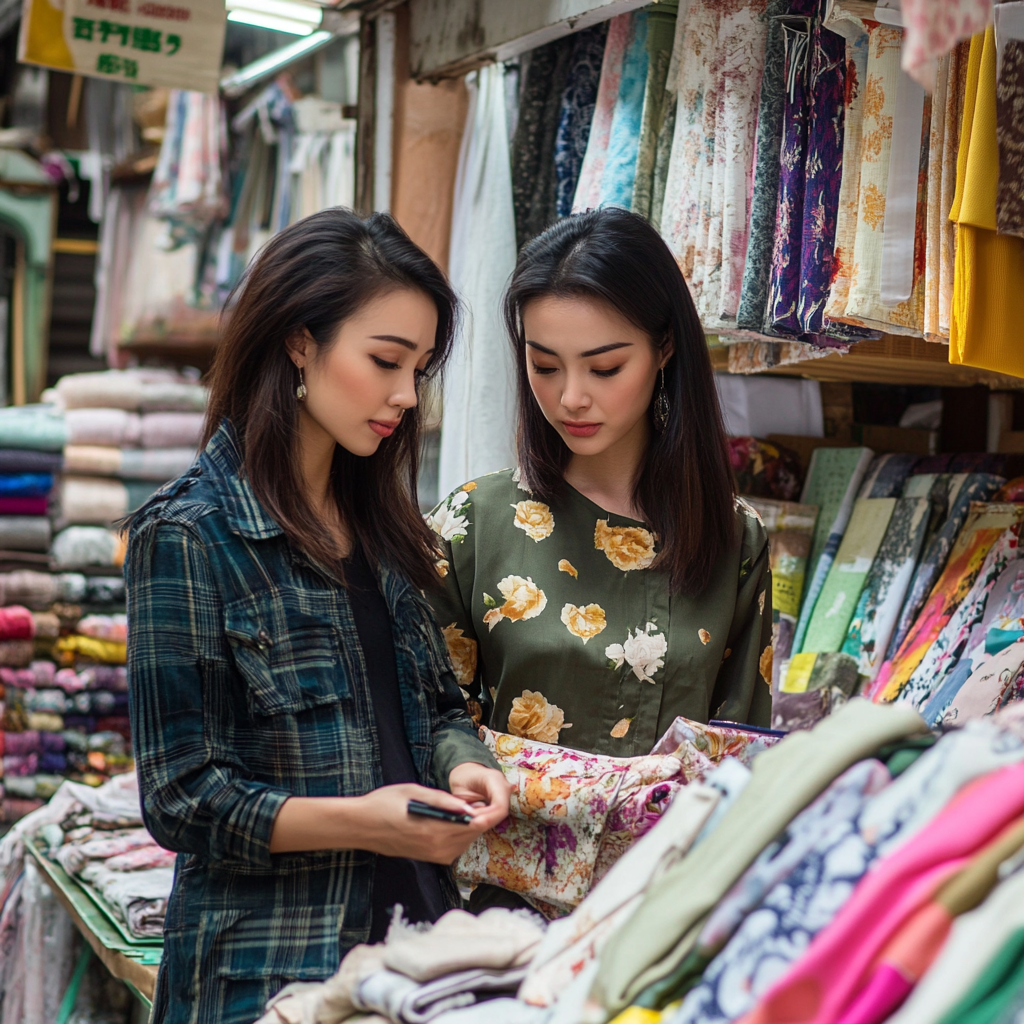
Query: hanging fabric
{"x": 479, "y": 402}
{"x": 623, "y": 139}
{"x": 577, "y": 113}
{"x": 934, "y": 27}
{"x": 588, "y": 188}
{"x": 1010, "y": 117}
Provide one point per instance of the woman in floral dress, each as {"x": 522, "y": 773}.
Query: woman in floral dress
{"x": 613, "y": 580}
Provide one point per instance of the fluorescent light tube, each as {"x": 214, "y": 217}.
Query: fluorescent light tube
{"x": 235, "y": 84}
{"x": 310, "y": 13}
{"x": 295, "y": 28}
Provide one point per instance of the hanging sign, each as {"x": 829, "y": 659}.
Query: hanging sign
{"x": 174, "y": 43}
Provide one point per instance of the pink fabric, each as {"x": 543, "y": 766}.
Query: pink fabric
{"x": 886, "y": 991}
{"x": 24, "y": 506}
{"x": 825, "y": 981}
{"x": 16, "y": 623}
{"x": 933, "y": 27}
{"x": 588, "y": 188}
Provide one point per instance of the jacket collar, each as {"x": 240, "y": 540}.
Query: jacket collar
{"x": 221, "y": 464}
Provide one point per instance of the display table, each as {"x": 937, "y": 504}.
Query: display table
{"x": 133, "y": 962}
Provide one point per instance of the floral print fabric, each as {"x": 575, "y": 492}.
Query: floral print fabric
{"x": 934, "y": 27}
{"x": 562, "y": 628}
{"x": 571, "y": 816}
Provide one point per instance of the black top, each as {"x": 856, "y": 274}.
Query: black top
{"x": 412, "y": 883}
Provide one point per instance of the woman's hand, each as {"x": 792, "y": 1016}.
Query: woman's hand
{"x": 389, "y": 829}
{"x": 485, "y": 789}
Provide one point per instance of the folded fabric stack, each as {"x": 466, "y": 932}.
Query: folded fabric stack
{"x": 65, "y": 701}
{"x": 416, "y": 975}
{"x": 96, "y": 835}
{"x": 128, "y": 431}
{"x": 863, "y": 871}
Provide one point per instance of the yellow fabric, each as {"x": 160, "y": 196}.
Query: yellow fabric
{"x": 638, "y": 1015}
{"x": 88, "y": 648}
{"x": 988, "y": 282}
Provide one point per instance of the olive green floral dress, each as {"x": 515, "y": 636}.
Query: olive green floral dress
{"x": 561, "y": 631}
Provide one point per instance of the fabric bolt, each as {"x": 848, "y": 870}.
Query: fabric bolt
{"x": 567, "y": 808}
{"x": 998, "y": 994}
{"x": 98, "y": 460}
{"x": 977, "y": 939}
{"x": 762, "y": 470}
{"x": 25, "y": 485}
{"x": 939, "y": 203}
{"x": 898, "y": 229}
{"x": 87, "y": 546}
{"x": 624, "y": 136}
{"x": 32, "y": 427}
{"x": 577, "y": 114}
{"x": 24, "y": 506}
{"x": 825, "y": 980}
{"x": 24, "y": 460}
{"x": 24, "y": 533}
{"x": 840, "y": 593}
{"x": 479, "y": 399}
{"x": 833, "y": 480}
{"x": 849, "y": 190}
{"x": 989, "y": 272}
{"x": 934, "y": 27}
{"x": 522, "y": 576}
{"x": 588, "y": 187}
{"x": 172, "y": 396}
{"x": 93, "y": 501}
{"x": 715, "y": 742}
{"x": 16, "y": 623}
{"x": 790, "y": 888}
{"x": 572, "y": 942}
{"x": 660, "y": 934}
{"x": 988, "y": 687}
{"x": 983, "y": 528}
{"x": 781, "y": 315}
{"x": 823, "y": 172}
{"x": 156, "y": 464}
{"x": 885, "y": 587}
{"x": 1010, "y": 135}
{"x": 661, "y": 25}
{"x": 764, "y": 198}
{"x": 887, "y": 475}
{"x": 534, "y": 174}
{"x": 950, "y": 644}
{"x": 171, "y": 429}
{"x": 663, "y": 159}
{"x": 106, "y": 427}
{"x": 956, "y": 495}
{"x": 956, "y": 94}
{"x": 865, "y": 305}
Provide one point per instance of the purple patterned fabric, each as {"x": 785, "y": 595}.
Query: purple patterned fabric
{"x": 784, "y": 283}
{"x": 824, "y": 175}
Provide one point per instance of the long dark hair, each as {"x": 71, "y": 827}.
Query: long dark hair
{"x": 316, "y": 274}
{"x": 684, "y": 489}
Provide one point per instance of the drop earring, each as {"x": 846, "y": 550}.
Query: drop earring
{"x": 300, "y": 391}
{"x": 662, "y": 406}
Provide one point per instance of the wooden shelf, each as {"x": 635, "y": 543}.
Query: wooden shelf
{"x": 890, "y": 360}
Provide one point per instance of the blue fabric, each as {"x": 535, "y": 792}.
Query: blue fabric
{"x": 623, "y": 143}
{"x": 940, "y": 700}
{"x": 247, "y": 685}
{"x": 578, "y": 102}
{"x": 997, "y": 640}
{"x": 25, "y": 485}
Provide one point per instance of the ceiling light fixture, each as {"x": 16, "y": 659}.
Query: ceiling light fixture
{"x": 270, "y": 21}
{"x": 264, "y": 67}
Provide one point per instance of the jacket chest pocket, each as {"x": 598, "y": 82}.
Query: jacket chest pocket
{"x": 289, "y": 656}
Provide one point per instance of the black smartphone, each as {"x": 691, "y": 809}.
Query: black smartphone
{"x": 422, "y": 810}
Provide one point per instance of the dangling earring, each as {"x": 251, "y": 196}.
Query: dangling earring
{"x": 662, "y": 406}
{"x": 300, "y": 391}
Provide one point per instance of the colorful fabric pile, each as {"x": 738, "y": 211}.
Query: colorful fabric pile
{"x": 862, "y": 871}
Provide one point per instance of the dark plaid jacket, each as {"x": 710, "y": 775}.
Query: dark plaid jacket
{"x": 248, "y": 685}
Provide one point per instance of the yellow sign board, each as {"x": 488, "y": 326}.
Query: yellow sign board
{"x": 174, "y": 43}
